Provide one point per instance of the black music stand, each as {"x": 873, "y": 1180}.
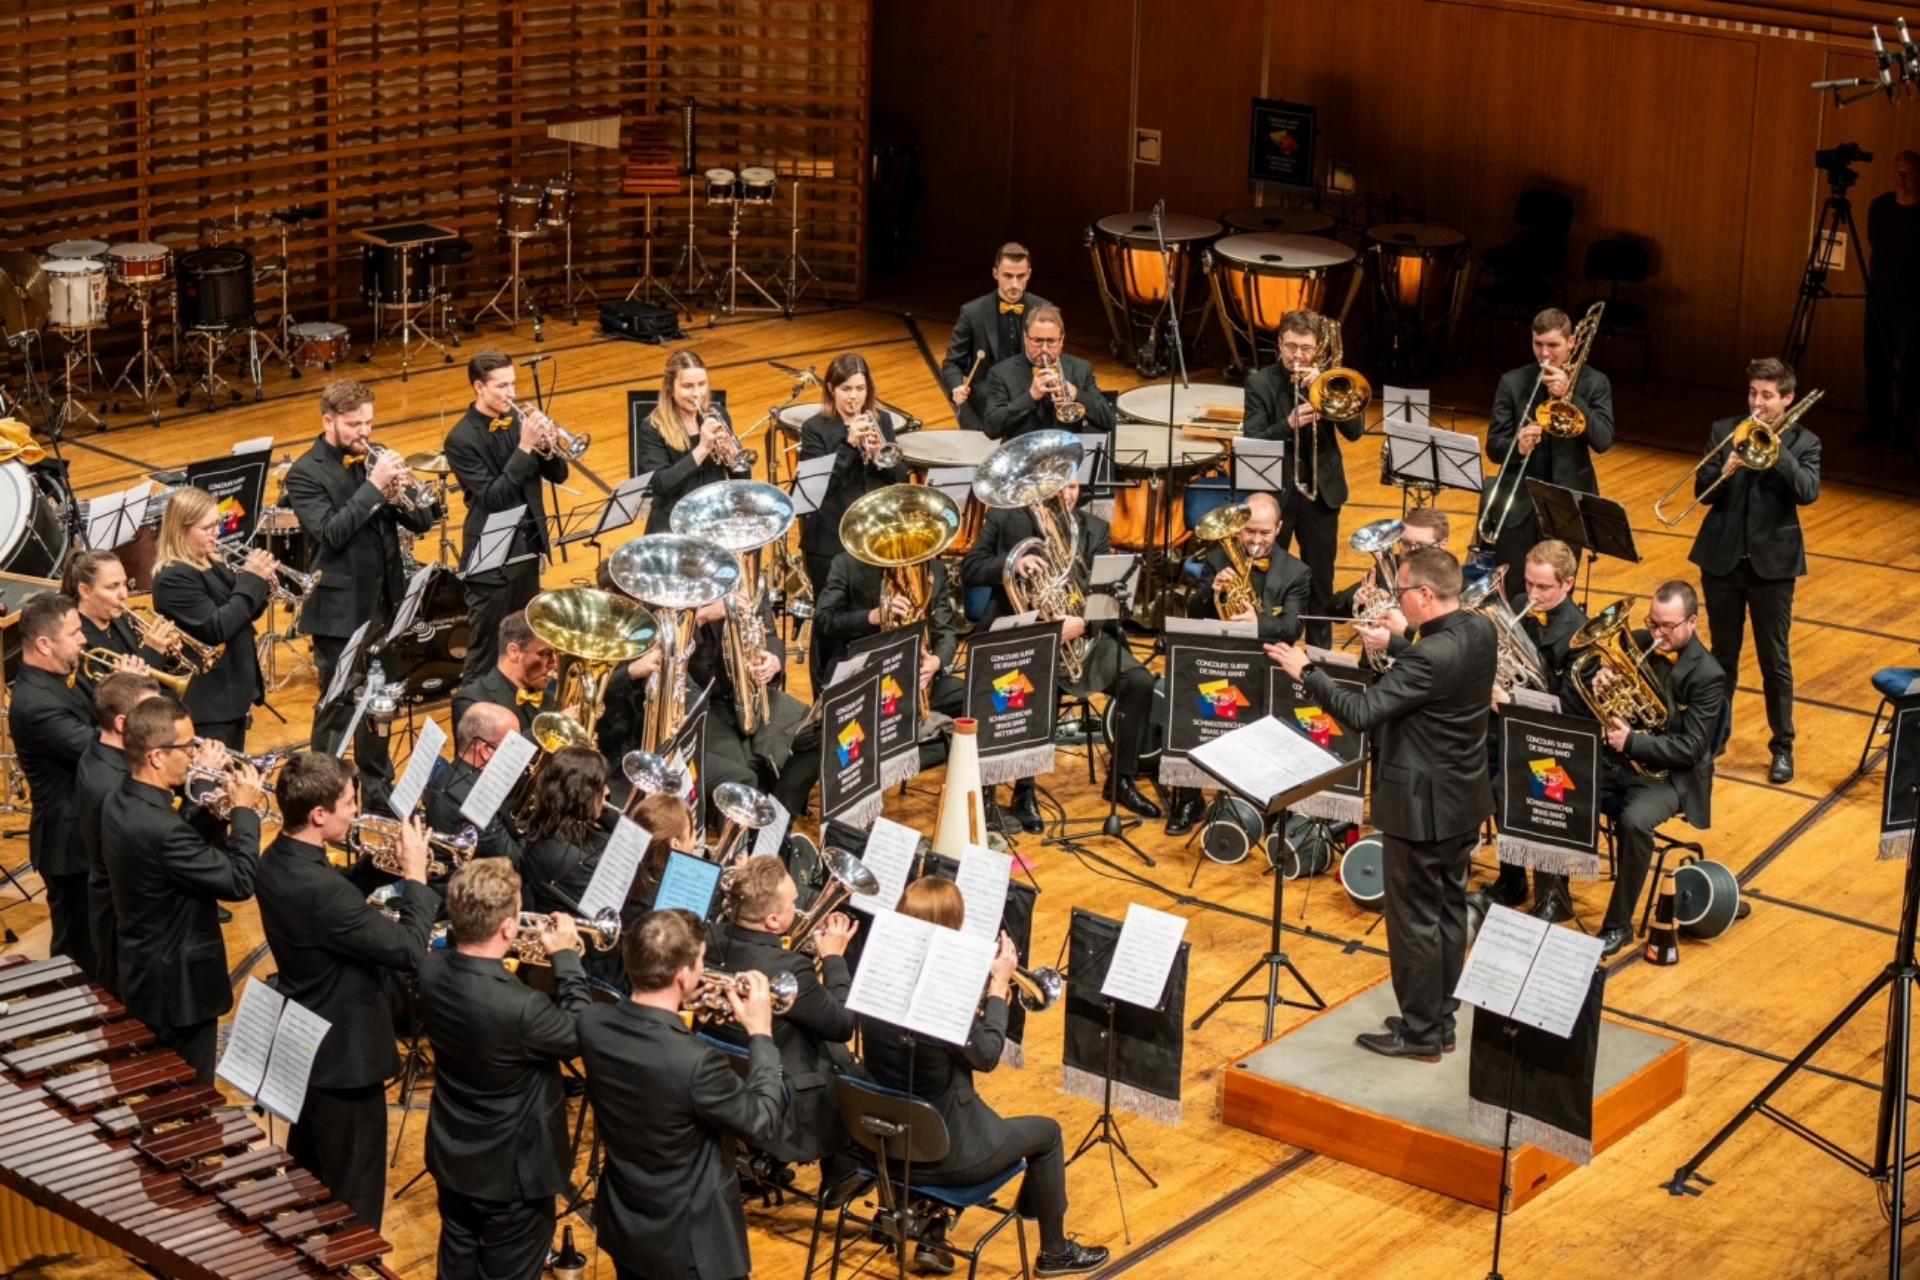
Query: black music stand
{"x": 1586, "y": 522}
{"x": 1420, "y": 458}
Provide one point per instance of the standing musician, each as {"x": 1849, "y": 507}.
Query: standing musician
{"x": 497, "y": 1129}
{"x": 500, "y": 457}
{"x": 1750, "y": 550}
{"x": 1021, "y": 396}
{"x": 196, "y": 588}
{"x": 168, "y": 881}
{"x": 991, "y": 324}
{"x": 852, "y": 427}
{"x": 1695, "y": 690}
{"x": 100, "y": 773}
{"x": 1310, "y": 507}
{"x": 520, "y": 678}
{"x": 1110, "y": 665}
{"x": 1428, "y": 715}
{"x": 687, "y": 442}
{"x": 477, "y": 734}
{"x": 669, "y": 1109}
{"x": 853, "y": 602}
{"x": 333, "y": 950}
{"x": 981, "y": 1142}
{"x": 812, "y": 1036}
{"x": 352, "y": 508}
{"x": 96, "y": 582}
{"x": 52, "y": 724}
{"x": 1565, "y": 461}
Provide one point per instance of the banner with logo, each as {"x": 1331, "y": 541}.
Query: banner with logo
{"x": 850, "y": 789}
{"x": 1011, "y": 680}
{"x": 689, "y": 748}
{"x": 1293, "y": 705}
{"x": 1549, "y": 791}
{"x": 896, "y": 658}
{"x": 238, "y": 484}
{"x": 1214, "y": 686}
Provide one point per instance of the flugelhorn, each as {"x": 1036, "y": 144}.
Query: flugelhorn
{"x": 846, "y": 876}
{"x": 405, "y": 491}
{"x": 376, "y": 837}
{"x": 1756, "y": 446}
{"x": 709, "y": 999}
{"x": 99, "y": 662}
{"x": 1038, "y": 990}
{"x": 190, "y": 653}
{"x": 559, "y": 442}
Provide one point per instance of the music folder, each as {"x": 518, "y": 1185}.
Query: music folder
{"x": 1259, "y": 466}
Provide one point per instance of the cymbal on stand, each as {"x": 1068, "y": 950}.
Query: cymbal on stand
{"x": 434, "y": 463}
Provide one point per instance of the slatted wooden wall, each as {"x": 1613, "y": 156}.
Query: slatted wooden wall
{"x": 142, "y": 120}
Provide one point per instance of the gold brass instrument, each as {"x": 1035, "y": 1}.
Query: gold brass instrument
{"x": 1065, "y": 411}
{"x": 1372, "y": 602}
{"x": 1232, "y": 596}
{"x": 288, "y": 586}
{"x": 1516, "y": 661}
{"x": 376, "y": 837}
{"x": 709, "y": 999}
{"x": 99, "y": 662}
{"x": 559, "y": 443}
{"x": 1038, "y": 990}
{"x": 675, "y": 576}
{"x": 17, "y": 443}
{"x": 551, "y": 731}
{"x": 1337, "y": 393}
{"x": 1033, "y": 471}
{"x": 900, "y": 530}
{"x": 739, "y": 459}
{"x": 216, "y": 800}
{"x": 601, "y": 632}
{"x": 846, "y": 876}
{"x": 746, "y": 517}
{"x": 196, "y": 657}
{"x": 1756, "y": 447}
{"x": 602, "y": 933}
{"x": 1562, "y": 418}
{"x": 745, "y": 809}
{"x": 407, "y": 492}
{"x": 1606, "y": 643}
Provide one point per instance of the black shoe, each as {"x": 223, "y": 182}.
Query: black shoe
{"x": 1396, "y": 1022}
{"x": 1782, "y": 771}
{"x": 1130, "y": 796}
{"x": 1026, "y": 809}
{"x": 223, "y": 915}
{"x": 931, "y": 1260}
{"x": 1615, "y": 939}
{"x": 1071, "y": 1260}
{"x": 1510, "y": 890}
{"x": 1389, "y": 1044}
{"x": 1184, "y": 807}
{"x": 1553, "y": 906}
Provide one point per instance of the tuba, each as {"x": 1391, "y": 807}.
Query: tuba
{"x": 900, "y": 530}
{"x": 1517, "y": 661}
{"x": 746, "y": 517}
{"x": 600, "y": 632}
{"x": 1756, "y": 447}
{"x": 1606, "y": 641}
{"x": 1231, "y": 596}
{"x": 847, "y": 875}
{"x": 1372, "y": 603}
{"x": 1031, "y": 471}
{"x": 674, "y": 575}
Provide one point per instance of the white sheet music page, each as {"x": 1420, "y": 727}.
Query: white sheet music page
{"x": 1556, "y": 989}
{"x": 250, "y": 1042}
{"x": 1144, "y": 955}
{"x": 495, "y": 541}
{"x": 890, "y": 966}
{"x": 1259, "y": 465}
{"x": 343, "y": 673}
{"x": 952, "y": 977}
{"x": 107, "y": 525}
{"x": 295, "y": 1042}
{"x": 982, "y": 879}
{"x": 767, "y": 839}
{"x": 405, "y": 797}
{"x": 1263, "y": 759}
{"x": 497, "y": 780}
{"x": 613, "y": 874}
{"x": 1497, "y": 966}
{"x": 889, "y": 855}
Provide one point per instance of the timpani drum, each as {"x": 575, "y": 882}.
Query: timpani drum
{"x": 1420, "y": 279}
{"x": 520, "y": 208}
{"x": 1257, "y": 221}
{"x": 1136, "y": 285}
{"x": 139, "y": 265}
{"x": 1141, "y": 450}
{"x": 76, "y": 293}
{"x": 925, "y": 450}
{"x": 1258, "y": 279}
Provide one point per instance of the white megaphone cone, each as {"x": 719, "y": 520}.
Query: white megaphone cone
{"x": 963, "y": 815}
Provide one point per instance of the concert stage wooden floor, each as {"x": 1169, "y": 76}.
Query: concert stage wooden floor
{"x": 1234, "y": 1203}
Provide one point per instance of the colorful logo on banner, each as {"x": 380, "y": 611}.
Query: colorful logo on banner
{"x": 231, "y": 514}
{"x": 1316, "y": 724}
{"x": 852, "y": 738}
{"x": 1222, "y": 700}
{"x": 1011, "y": 691}
{"x": 890, "y": 692}
{"x": 1550, "y": 780}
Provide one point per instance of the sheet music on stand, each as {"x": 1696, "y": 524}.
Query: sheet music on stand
{"x": 889, "y": 854}
{"x": 113, "y": 519}
{"x": 1530, "y": 971}
{"x": 1429, "y": 458}
{"x": 495, "y": 541}
{"x": 1216, "y": 628}
{"x": 343, "y": 671}
{"x": 1584, "y": 521}
{"x": 629, "y": 502}
{"x": 406, "y": 793}
{"x": 688, "y": 883}
{"x": 922, "y": 977}
{"x": 1144, "y": 956}
{"x": 811, "y": 476}
{"x": 497, "y": 780}
{"x": 619, "y": 862}
{"x": 1259, "y": 466}
{"x": 410, "y": 603}
{"x": 271, "y": 1048}
{"x": 1270, "y": 764}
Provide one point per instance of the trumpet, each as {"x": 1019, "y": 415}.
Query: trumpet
{"x": 602, "y": 933}
{"x": 558, "y": 442}
{"x": 405, "y": 491}
{"x": 877, "y": 450}
{"x": 1756, "y": 447}
{"x": 197, "y": 657}
{"x": 1065, "y": 411}
{"x": 377, "y": 838}
{"x": 288, "y": 586}
{"x": 709, "y": 999}
{"x": 99, "y": 662}
{"x": 739, "y": 459}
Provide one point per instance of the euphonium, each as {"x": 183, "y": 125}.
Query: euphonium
{"x": 674, "y": 575}
{"x": 1371, "y": 603}
{"x": 709, "y": 999}
{"x": 561, "y": 443}
{"x": 744, "y": 809}
{"x": 1032, "y": 471}
{"x": 1756, "y": 447}
{"x": 99, "y": 662}
{"x": 376, "y": 837}
{"x": 900, "y": 530}
{"x": 602, "y": 933}
{"x": 847, "y": 875}
{"x": 1606, "y": 642}
{"x": 746, "y": 517}
{"x": 601, "y": 632}
{"x": 196, "y": 657}
{"x": 1064, "y": 410}
{"x": 1516, "y": 660}
{"x": 1232, "y": 596}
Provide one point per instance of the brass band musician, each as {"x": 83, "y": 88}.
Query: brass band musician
{"x": 854, "y": 428}
{"x": 1040, "y": 386}
{"x": 988, "y": 331}
{"x": 687, "y": 441}
{"x": 195, "y": 588}
{"x": 96, "y": 582}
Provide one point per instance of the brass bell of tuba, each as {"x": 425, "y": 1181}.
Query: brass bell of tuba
{"x": 674, "y": 575}
{"x": 746, "y": 517}
{"x": 600, "y": 631}
{"x": 1033, "y": 471}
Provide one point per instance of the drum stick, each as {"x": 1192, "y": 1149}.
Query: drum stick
{"x": 979, "y": 358}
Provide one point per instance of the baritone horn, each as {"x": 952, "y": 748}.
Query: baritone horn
{"x": 1606, "y": 643}
{"x": 847, "y": 875}
{"x": 1231, "y": 596}
{"x": 1756, "y": 446}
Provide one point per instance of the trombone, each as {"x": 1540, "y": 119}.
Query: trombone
{"x": 99, "y": 662}
{"x": 1337, "y": 393}
{"x": 1561, "y": 417}
{"x": 1756, "y": 446}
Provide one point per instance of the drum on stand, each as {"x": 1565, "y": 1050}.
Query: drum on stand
{"x": 141, "y": 264}
{"x": 77, "y": 292}
{"x": 757, "y": 185}
{"x": 319, "y": 343}
{"x": 215, "y": 290}
{"x": 556, "y": 203}
{"x": 1137, "y": 287}
{"x": 520, "y": 206}
{"x": 1268, "y": 221}
{"x": 33, "y": 541}
{"x": 722, "y": 185}
{"x": 1141, "y": 452}
{"x": 381, "y": 282}
{"x": 1257, "y": 280}
{"x": 923, "y": 451}
{"x": 1420, "y": 276}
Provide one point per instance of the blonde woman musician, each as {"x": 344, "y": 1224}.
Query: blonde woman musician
{"x": 196, "y": 590}
{"x": 682, "y": 444}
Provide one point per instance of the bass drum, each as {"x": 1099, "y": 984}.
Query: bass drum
{"x": 33, "y": 541}
{"x": 1363, "y": 873}
{"x": 1706, "y": 898}
{"x": 1235, "y": 830}
{"x": 215, "y": 290}
{"x": 1156, "y": 738}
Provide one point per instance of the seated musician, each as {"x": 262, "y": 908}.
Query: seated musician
{"x": 1110, "y": 666}
{"x": 333, "y": 950}
{"x": 497, "y": 1131}
{"x": 1023, "y": 396}
{"x": 1280, "y": 584}
{"x": 194, "y": 588}
{"x": 99, "y": 774}
{"x": 1550, "y": 620}
{"x": 851, "y": 426}
{"x": 812, "y": 1036}
{"x": 849, "y": 607}
{"x": 563, "y": 839}
{"x": 96, "y": 582}
{"x": 477, "y": 734}
{"x": 776, "y": 757}
{"x": 981, "y": 1141}
{"x": 168, "y": 881}
{"x": 988, "y": 331}
{"x": 521, "y": 677}
{"x": 668, "y": 820}
{"x": 1695, "y": 691}
{"x": 669, "y": 1109}
{"x": 623, "y": 710}
{"x": 1421, "y": 527}
{"x": 681, "y": 444}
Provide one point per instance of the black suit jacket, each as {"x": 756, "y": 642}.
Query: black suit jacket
{"x": 675, "y": 473}
{"x": 498, "y": 1127}
{"x": 1428, "y": 717}
{"x": 1283, "y": 592}
{"x": 1002, "y": 530}
{"x": 1562, "y": 462}
{"x": 52, "y": 727}
{"x": 1553, "y": 638}
{"x": 852, "y": 591}
{"x": 355, "y": 547}
{"x": 1008, "y": 410}
{"x": 851, "y": 477}
{"x": 168, "y": 883}
{"x": 979, "y": 329}
{"x": 217, "y": 606}
{"x": 555, "y": 863}
{"x": 446, "y": 791}
{"x": 332, "y": 949}
{"x": 117, "y": 636}
{"x": 1271, "y": 398}
{"x": 1755, "y": 515}
{"x": 942, "y": 1074}
{"x": 1696, "y": 689}
{"x": 496, "y": 476}
{"x": 102, "y": 771}
{"x": 495, "y": 686}
{"x": 669, "y": 1109}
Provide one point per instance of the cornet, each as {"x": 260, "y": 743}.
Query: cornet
{"x": 602, "y": 933}
{"x": 406, "y": 491}
{"x": 559, "y": 442}
{"x": 739, "y": 459}
{"x": 99, "y": 662}
{"x": 216, "y": 799}
{"x": 709, "y": 999}
{"x": 877, "y": 450}
{"x": 288, "y": 586}
{"x": 1065, "y": 411}
{"x": 377, "y": 838}
{"x": 197, "y": 657}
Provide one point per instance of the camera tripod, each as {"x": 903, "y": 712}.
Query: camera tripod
{"x": 1836, "y": 217}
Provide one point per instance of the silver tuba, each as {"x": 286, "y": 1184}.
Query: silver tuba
{"x": 746, "y": 517}
{"x": 673, "y": 575}
{"x": 1032, "y": 471}
{"x": 1517, "y": 662}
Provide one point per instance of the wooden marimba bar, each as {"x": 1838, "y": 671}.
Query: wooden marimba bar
{"x": 104, "y": 1130}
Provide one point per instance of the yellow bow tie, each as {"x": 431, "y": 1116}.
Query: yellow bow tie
{"x": 1262, "y": 563}
{"x": 1671, "y": 655}
{"x": 1013, "y": 308}
{"x": 349, "y": 463}
{"x": 72, "y": 677}
{"x": 1538, "y": 615}
{"x": 501, "y": 423}
{"x": 529, "y": 697}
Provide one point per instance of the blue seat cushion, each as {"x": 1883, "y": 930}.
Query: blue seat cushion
{"x": 979, "y": 599}
{"x": 1893, "y": 682}
{"x": 968, "y": 1197}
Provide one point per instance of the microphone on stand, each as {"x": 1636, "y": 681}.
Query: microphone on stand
{"x": 1910, "y": 52}
{"x": 1885, "y": 61}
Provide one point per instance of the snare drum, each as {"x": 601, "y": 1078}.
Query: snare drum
{"x": 139, "y": 264}
{"x": 33, "y": 541}
{"x": 757, "y": 185}
{"x": 95, "y": 249}
{"x": 520, "y": 209}
{"x": 319, "y": 343}
{"x": 77, "y": 293}
{"x": 1136, "y": 284}
{"x": 1363, "y": 873}
{"x": 1278, "y": 222}
{"x": 723, "y": 186}
{"x": 1421, "y": 278}
{"x": 556, "y": 208}
{"x": 381, "y": 282}
{"x": 216, "y": 289}
{"x": 1258, "y": 279}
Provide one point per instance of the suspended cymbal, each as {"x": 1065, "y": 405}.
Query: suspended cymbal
{"x": 434, "y": 464}
{"x": 24, "y": 296}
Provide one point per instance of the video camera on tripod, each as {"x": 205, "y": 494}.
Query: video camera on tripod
{"x": 1837, "y": 163}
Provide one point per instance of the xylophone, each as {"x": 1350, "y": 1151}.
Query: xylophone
{"x": 112, "y": 1134}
